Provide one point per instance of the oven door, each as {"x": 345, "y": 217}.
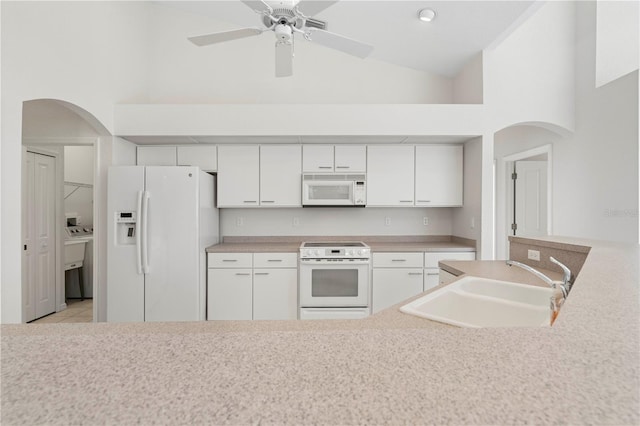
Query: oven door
{"x": 327, "y": 193}
{"x": 333, "y": 283}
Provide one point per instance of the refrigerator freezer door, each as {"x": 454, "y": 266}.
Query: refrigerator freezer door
{"x": 172, "y": 281}
{"x": 125, "y": 285}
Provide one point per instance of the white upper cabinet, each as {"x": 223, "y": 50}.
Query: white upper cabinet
{"x": 330, "y": 158}
{"x": 203, "y": 156}
{"x": 390, "y": 175}
{"x": 317, "y": 158}
{"x": 238, "y": 175}
{"x": 350, "y": 158}
{"x": 156, "y": 156}
{"x": 439, "y": 172}
{"x": 280, "y": 175}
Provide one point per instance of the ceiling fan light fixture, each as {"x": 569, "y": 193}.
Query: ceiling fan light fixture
{"x": 426, "y": 15}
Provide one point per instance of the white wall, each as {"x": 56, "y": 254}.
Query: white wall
{"x": 335, "y": 221}
{"x": 90, "y": 54}
{"x": 467, "y": 220}
{"x": 124, "y": 152}
{"x": 468, "y": 84}
{"x": 185, "y": 73}
{"x": 617, "y": 39}
{"x": 596, "y": 169}
{"x": 79, "y": 168}
{"x": 529, "y": 76}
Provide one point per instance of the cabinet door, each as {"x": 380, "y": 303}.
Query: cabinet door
{"x": 280, "y": 175}
{"x": 391, "y": 286}
{"x": 229, "y": 294}
{"x": 203, "y": 156}
{"x": 156, "y": 156}
{"x": 351, "y": 158}
{"x": 390, "y": 176}
{"x": 275, "y": 294}
{"x": 317, "y": 158}
{"x": 439, "y": 175}
{"x": 238, "y": 176}
{"x": 431, "y": 278}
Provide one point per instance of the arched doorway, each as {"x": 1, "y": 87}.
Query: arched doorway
{"x": 528, "y": 147}
{"x": 60, "y": 131}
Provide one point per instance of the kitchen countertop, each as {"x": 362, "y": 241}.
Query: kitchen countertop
{"x": 388, "y": 368}
{"x": 377, "y": 244}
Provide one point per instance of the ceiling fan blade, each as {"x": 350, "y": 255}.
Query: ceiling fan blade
{"x": 255, "y": 5}
{"x": 207, "y": 39}
{"x": 311, "y": 7}
{"x": 341, "y": 43}
{"x": 284, "y": 59}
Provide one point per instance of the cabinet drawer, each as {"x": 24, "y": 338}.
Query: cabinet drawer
{"x": 275, "y": 260}
{"x": 230, "y": 260}
{"x": 397, "y": 260}
{"x": 431, "y": 259}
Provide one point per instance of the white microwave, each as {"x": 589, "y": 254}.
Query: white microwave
{"x": 334, "y": 190}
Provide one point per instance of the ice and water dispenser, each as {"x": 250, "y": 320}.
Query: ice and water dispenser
{"x": 126, "y": 224}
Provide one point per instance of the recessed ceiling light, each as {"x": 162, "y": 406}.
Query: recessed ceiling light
{"x": 427, "y": 15}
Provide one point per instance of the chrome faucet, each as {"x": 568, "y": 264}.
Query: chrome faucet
{"x": 564, "y": 286}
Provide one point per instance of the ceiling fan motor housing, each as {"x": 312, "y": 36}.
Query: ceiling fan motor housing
{"x": 283, "y": 33}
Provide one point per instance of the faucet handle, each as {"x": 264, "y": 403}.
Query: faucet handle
{"x": 567, "y": 271}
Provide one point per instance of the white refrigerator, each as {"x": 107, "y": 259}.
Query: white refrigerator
{"x": 160, "y": 220}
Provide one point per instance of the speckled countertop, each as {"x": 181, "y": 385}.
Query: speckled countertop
{"x": 377, "y": 244}
{"x": 391, "y": 368}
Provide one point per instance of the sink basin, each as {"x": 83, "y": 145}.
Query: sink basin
{"x": 480, "y": 302}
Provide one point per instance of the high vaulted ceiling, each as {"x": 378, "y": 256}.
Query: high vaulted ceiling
{"x": 460, "y": 30}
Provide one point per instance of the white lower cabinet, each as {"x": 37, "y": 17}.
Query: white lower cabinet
{"x": 433, "y": 275}
{"x": 396, "y": 277}
{"x": 275, "y": 294}
{"x": 431, "y": 278}
{"x": 245, "y": 286}
{"x": 391, "y": 286}
{"x": 229, "y": 294}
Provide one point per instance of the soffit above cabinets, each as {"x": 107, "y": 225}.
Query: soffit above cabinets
{"x": 307, "y": 139}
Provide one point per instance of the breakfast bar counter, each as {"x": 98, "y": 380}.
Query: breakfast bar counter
{"x": 390, "y": 368}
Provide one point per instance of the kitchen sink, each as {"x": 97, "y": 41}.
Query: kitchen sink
{"x": 481, "y": 302}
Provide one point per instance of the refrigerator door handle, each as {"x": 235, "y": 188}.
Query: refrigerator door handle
{"x": 138, "y": 236}
{"x": 145, "y": 230}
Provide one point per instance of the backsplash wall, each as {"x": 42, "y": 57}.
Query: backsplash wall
{"x": 335, "y": 221}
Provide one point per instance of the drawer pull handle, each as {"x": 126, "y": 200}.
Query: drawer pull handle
{"x": 424, "y": 201}
{"x": 274, "y": 260}
{"x": 261, "y": 273}
{"x": 249, "y": 201}
{"x": 398, "y": 260}
{"x": 415, "y": 273}
{"x": 325, "y": 167}
{"x": 342, "y": 167}
{"x": 242, "y": 273}
{"x": 268, "y": 201}
{"x": 406, "y": 201}
{"x": 433, "y": 273}
{"x": 229, "y": 260}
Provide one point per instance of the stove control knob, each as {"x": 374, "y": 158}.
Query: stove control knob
{"x": 360, "y": 252}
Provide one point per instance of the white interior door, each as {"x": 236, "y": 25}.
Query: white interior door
{"x": 39, "y": 254}
{"x": 531, "y": 198}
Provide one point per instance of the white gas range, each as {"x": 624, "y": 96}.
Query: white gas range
{"x": 334, "y": 280}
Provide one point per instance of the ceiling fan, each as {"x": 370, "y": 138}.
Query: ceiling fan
{"x": 285, "y": 18}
